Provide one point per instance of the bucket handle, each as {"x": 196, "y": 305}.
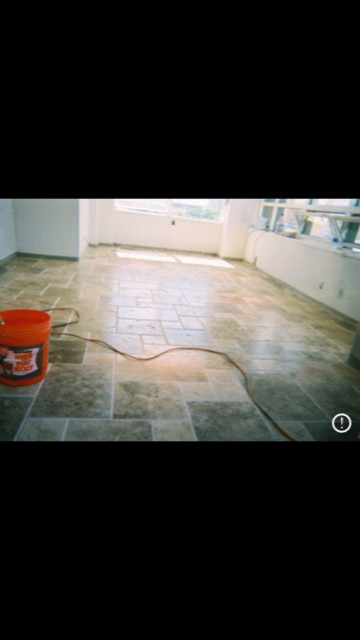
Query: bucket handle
{"x": 65, "y": 324}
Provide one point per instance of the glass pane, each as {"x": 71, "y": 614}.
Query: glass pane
{"x": 149, "y": 205}
{"x": 298, "y": 200}
{"x": 289, "y": 220}
{"x": 197, "y": 208}
{"x": 342, "y": 202}
{"x": 320, "y": 227}
{"x": 357, "y": 239}
{"x": 289, "y": 216}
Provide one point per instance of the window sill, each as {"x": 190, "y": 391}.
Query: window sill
{"x": 165, "y": 215}
{"x": 323, "y": 245}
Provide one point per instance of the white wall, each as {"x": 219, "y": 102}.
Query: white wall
{"x": 7, "y": 229}
{"x": 47, "y": 227}
{"x": 105, "y": 215}
{"x": 93, "y": 221}
{"x": 151, "y": 230}
{"x": 321, "y": 272}
{"x": 84, "y": 225}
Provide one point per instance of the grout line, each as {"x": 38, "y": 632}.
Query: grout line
{"x": 112, "y": 399}
{"x": 326, "y": 417}
{"x": 55, "y": 303}
{"x": 143, "y": 351}
{"x": 86, "y": 334}
{"x": 62, "y": 439}
{"x": 185, "y": 422}
{"x": 18, "y": 294}
{"x": 28, "y": 411}
{"x": 164, "y": 420}
{"x": 80, "y": 294}
{"x": 270, "y": 427}
{"x": 216, "y": 399}
{"x": 152, "y": 431}
{"x": 188, "y": 412}
{"x": 99, "y": 419}
{"x": 43, "y": 291}
{"x": 70, "y": 279}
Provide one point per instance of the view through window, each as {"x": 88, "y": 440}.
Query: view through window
{"x": 289, "y": 215}
{"x": 320, "y": 227}
{"x": 197, "y": 208}
{"x": 314, "y": 218}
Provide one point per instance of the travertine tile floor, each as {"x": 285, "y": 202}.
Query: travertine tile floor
{"x": 144, "y": 301}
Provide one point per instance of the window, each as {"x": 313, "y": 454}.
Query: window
{"x": 341, "y": 202}
{"x": 198, "y": 208}
{"x": 357, "y": 237}
{"x": 292, "y": 218}
{"x": 318, "y": 227}
{"x": 148, "y": 206}
{"x": 327, "y": 220}
{"x": 321, "y": 226}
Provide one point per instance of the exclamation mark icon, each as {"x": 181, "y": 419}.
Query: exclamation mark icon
{"x": 343, "y": 421}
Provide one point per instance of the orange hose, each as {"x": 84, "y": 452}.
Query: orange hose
{"x": 221, "y": 353}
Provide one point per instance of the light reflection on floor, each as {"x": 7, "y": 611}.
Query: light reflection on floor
{"x": 201, "y": 260}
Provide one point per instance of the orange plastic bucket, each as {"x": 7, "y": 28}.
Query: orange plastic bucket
{"x": 24, "y": 346}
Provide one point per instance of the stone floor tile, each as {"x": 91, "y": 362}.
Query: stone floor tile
{"x": 197, "y": 391}
{"x": 147, "y": 314}
{"x": 71, "y": 390}
{"x": 293, "y": 350}
{"x": 155, "y": 340}
{"x": 138, "y": 327}
{"x": 296, "y": 430}
{"x": 176, "y": 367}
{"x": 128, "y": 343}
{"x": 262, "y": 349}
{"x": 323, "y": 432}
{"x": 69, "y": 350}
{"x": 190, "y": 322}
{"x": 184, "y": 310}
{"x": 283, "y": 399}
{"x": 173, "y": 431}
{"x": 228, "y": 421}
{"x": 148, "y": 400}
{"x": 226, "y": 385}
{"x": 171, "y": 325}
{"x": 334, "y": 398}
{"x": 41, "y": 430}
{"x": 12, "y": 412}
{"x": 108, "y": 430}
{"x": 135, "y": 293}
{"x": 167, "y": 299}
{"x": 26, "y": 390}
{"x": 187, "y": 337}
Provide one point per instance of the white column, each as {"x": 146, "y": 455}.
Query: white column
{"x": 238, "y": 216}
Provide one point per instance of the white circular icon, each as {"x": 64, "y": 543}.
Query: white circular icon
{"x": 341, "y": 423}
